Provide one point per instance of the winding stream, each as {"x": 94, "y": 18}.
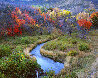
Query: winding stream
{"x": 46, "y": 63}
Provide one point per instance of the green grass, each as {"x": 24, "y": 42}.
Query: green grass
{"x": 64, "y": 43}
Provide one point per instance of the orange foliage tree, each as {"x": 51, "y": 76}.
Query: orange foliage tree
{"x": 94, "y": 18}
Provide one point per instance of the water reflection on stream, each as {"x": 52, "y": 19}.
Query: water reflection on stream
{"x": 46, "y": 63}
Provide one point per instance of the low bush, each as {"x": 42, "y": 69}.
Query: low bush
{"x": 72, "y": 53}
{"x": 62, "y": 47}
{"x": 83, "y": 47}
{"x": 74, "y": 41}
{"x": 18, "y": 48}
{"x": 5, "y": 50}
{"x": 50, "y": 45}
{"x": 50, "y": 73}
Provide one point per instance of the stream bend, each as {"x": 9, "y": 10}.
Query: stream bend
{"x": 46, "y": 63}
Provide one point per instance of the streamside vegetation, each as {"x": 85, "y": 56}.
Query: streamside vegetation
{"x": 13, "y": 61}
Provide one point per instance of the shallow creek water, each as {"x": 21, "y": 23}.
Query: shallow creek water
{"x": 46, "y": 63}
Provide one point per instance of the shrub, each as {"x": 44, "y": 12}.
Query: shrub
{"x": 62, "y": 47}
{"x": 18, "y": 48}
{"x": 72, "y": 53}
{"x": 25, "y": 40}
{"x": 50, "y": 45}
{"x": 83, "y": 47}
{"x": 5, "y": 50}
{"x": 50, "y": 73}
{"x": 74, "y": 41}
